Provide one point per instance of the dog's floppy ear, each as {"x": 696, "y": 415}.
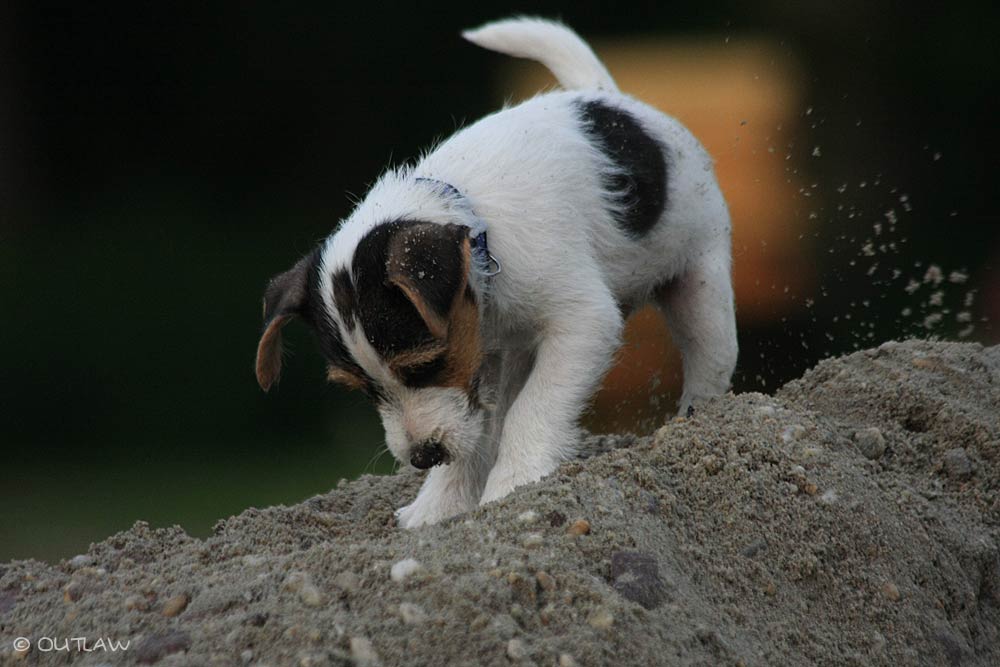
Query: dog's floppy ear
{"x": 430, "y": 264}
{"x": 284, "y": 298}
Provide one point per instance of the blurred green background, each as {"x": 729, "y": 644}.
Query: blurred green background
{"x": 159, "y": 162}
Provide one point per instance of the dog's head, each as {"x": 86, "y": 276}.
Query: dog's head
{"x": 398, "y": 320}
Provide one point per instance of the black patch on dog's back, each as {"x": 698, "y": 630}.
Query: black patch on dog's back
{"x": 640, "y": 187}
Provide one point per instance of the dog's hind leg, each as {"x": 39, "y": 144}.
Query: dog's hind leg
{"x": 699, "y": 309}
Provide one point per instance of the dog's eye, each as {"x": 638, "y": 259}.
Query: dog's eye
{"x": 423, "y": 373}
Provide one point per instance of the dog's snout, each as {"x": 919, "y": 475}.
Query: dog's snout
{"x": 427, "y": 454}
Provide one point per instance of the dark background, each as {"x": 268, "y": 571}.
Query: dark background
{"x": 159, "y": 163}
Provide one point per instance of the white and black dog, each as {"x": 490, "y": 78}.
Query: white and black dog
{"x": 478, "y": 296}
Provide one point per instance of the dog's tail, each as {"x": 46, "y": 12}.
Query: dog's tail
{"x": 550, "y": 43}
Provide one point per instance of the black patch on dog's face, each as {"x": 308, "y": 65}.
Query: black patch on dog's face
{"x": 641, "y": 187}
{"x": 314, "y": 313}
{"x": 427, "y": 254}
{"x": 343, "y": 297}
{"x": 390, "y": 322}
{"x": 424, "y": 374}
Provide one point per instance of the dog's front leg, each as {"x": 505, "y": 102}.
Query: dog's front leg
{"x": 540, "y": 428}
{"x": 447, "y": 491}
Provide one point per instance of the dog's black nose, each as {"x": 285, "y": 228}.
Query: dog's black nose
{"x": 427, "y": 454}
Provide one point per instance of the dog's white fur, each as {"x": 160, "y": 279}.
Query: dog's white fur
{"x": 552, "y": 320}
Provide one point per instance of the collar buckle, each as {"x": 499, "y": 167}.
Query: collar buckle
{"x": 480, "y": 249}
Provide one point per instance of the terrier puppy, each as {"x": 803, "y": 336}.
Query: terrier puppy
{"x": 478, "y": 296}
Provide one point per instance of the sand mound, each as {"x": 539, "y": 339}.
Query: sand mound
{"x": 853, "y": 518}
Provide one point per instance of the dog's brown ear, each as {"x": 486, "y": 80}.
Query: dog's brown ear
{"x": 430, "y": 264}
{"x": 284, "y": 298}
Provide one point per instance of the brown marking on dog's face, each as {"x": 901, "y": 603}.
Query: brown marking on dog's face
{"x": 430, "y": 264}
{"x": 421, "y": 356}
{"x": 346, "y": 378}
{"x": 465, "y": 353}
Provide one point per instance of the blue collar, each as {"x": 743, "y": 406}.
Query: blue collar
{"x": 480, "y": 248}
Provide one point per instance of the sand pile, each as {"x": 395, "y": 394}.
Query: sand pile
{"x": 852, "y": 519}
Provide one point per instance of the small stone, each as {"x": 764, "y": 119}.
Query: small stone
{"x": 531, "y": 516}
{"x": 479, "y": 622}
{"x": 175, "y": 605}
{"x": 347, "y": 581}
{"x": 154, "y": 647}
{"x": 579, "y": 527}
{"x": 326, "y": 518}
{"x": 301, "y": 583}
{"x": 310, "y": 595}
{"x": 254, "y": 560}
{"x": 533, "y": 540}
{"x": 82, "y": 560}
{"x": 957, "y": 463}
{"x": 547, "y": 613}
{"x": 137, "y": 603}
{"x": 505, "y": 626}
{"x": 412, "y": 614}
{"x": 810, "y": 488}
{"x": 566, "y": 660}
{"x": 770, "y": 590}
{"x": 257, "y": 620}
{"x": 870, "y": 442}
{"x": 523, "y": 589}
{"x": 363, "y": 653}
{"x": 293, "y": 582}
{"x": 20, "y": 652}
{"x": 601, "y": 619}
{"x": 246, "y": 656}
{"x": 545, "y": 580}
{"x": 635, "y": 576}
{"x": 711, "y": 463}
{"x": 404, "y": 569}
{"x": 792, "y": 432}
{"x": 752, "y": 549}
{"x": 73, "y": 591}
{"x": 516, "y": 650}
{"x": 313, "y": 659}
{"x": 891, "y": 591}
{"x": 519, "y": 614}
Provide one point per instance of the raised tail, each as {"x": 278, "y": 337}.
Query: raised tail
{"x": 554, "y": 45}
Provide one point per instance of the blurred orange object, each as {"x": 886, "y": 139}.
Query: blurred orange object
{"x": 742, "y": 100}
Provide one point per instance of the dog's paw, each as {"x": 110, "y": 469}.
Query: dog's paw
{"x": 500, "y": 484}
{"x": 421, "y": 512}
{"x": 411, "y": 516}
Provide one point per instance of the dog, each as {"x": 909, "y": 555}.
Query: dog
{"x": 478, "y": 296}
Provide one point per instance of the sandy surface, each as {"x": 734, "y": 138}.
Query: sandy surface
{"x": 852, "y": 519}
